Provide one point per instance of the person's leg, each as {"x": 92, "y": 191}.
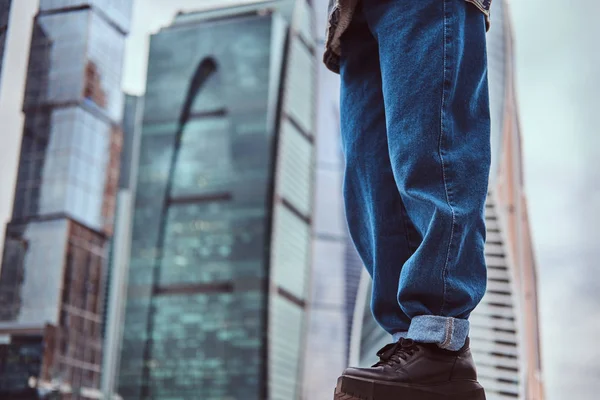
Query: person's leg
{"x": 434, "y": 79}
{"x": 381, "y": 232}
{"x": 434, "y": 73}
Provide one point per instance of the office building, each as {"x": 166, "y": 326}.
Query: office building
{"x": 336, "y": 267}
{"x": 118, "y": 264}
{"x": 221, "y": 233}
{"x": 54, "y": 262}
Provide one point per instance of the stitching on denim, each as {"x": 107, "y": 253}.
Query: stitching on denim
{"x": 442, "y": 117}
{"x": 449, "y": 330}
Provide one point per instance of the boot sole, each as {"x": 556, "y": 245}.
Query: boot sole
{"x": 350, "y": 388}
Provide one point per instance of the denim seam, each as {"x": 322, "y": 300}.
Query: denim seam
{"x": 449, "y": 329}
{"x": 442, "y": 126}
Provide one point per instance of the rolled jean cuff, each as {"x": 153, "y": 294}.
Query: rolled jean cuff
{"x": 448, "y": 333}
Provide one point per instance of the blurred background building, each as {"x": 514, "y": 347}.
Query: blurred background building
{"x": 504, "y": 328}
{"x": 55, "y": 251}
{"x": 336, "y": 267}
{"x": 118, "y": 264}
{"x": 4, "y": 15}
{"x": 216, "y": 264}
{"x": 221, "y": 237}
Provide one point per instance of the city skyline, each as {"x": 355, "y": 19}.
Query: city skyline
{"x": 556, "y": 86}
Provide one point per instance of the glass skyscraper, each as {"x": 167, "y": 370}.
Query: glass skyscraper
{"x": 4, "y": 15}
{"x": 116, "y": 288}
{"x": 221, "y": 234}
{"x": 505, "y": 332}
{"x": 336, "y": 266}
{"x": 504, "y": 327}
{"x": 54, "y": 262}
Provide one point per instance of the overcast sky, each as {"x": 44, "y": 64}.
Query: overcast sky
{"x": 558, "y": 65}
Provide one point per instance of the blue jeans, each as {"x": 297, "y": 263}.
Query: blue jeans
{"x": 416, "y": 138}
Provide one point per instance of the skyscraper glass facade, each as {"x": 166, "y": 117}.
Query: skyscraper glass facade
{"x": 335, "y": 265}
{"x": 292, "y": 212}
{"x": 220, "y": 242}
{"x": 52, "y": 277}
{"x": 326, "y": 349}
{"x": 4, "y": 15}
{"x": 504, "y": 327}
{"x": 118, "y": 265}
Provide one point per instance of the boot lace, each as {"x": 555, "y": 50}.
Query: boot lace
{"x": 395, "y": 353}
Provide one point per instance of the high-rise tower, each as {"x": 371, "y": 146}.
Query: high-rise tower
{"x": 220, "y": 256}
{"x": 336, "y": 267}
{"x": 118, "y": 263}
{"x": 54, "y": 260}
